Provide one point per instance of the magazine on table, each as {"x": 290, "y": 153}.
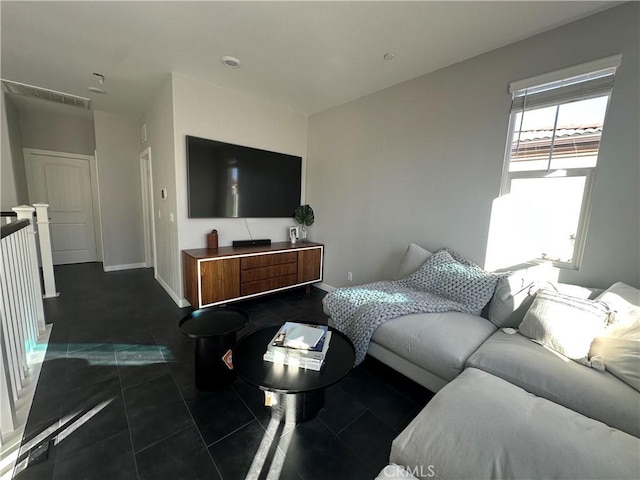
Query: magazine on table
{"x": 300, "y": 336}
{"x": 303, "y": 345}
{"x": 293, "y": 361}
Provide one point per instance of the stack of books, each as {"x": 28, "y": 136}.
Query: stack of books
{"x": 299, "y": 345}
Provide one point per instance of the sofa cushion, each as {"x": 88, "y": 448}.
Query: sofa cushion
{"x": 619, "y": 347}
{"x": 513, "y": 297}
{"x": 480, "y": 426}
{"x": 565, "y": 324}
{"x": 620, "y": 356}
{"x": 624, "y": 300}
{"x": 515, "y": 293}
{"x": 438, "y": 342}
{"x": 593, "y": 393}
{"x": 412, "y": 260}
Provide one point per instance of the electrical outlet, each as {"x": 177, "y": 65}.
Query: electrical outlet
{"x": 350, "y": 276}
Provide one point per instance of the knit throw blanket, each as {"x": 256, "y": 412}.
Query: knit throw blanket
{"x": 445, "y": 282}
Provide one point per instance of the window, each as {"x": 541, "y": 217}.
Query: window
{"x": 551, "y": 157}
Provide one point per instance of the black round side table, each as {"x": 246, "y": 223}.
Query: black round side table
{"x": 299, "y": 392}
{"x": 214, "y": 330}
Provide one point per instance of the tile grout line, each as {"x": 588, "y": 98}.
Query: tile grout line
{"x": 245, "y": 403}
{"x": 415, "y": 406}
{"x": 153, "y": 444}
{"x": 234, "y": 431}
{"x": 195, "y": 424}
{"x": 126, "y": 414}
{"x": 347, "y": 447}
{"x": 354, "y": 421}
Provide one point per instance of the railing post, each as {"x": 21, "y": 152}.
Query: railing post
{"x": 26, "y": 212}
{"x": 46, "y": 257}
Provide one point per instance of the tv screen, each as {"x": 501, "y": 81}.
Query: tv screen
{"x": 226, "y": 180}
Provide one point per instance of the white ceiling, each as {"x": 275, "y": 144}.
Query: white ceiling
{"x": 305, "y": 56}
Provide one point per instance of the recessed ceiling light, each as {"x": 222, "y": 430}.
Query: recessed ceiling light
{"x": 388, "y": 56}
{"x": 95, "y": 90}
{"x": 231, "y": 62}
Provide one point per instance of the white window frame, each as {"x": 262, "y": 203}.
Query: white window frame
{"x": 585, "y": 209}
{"x": 587, "y": 172}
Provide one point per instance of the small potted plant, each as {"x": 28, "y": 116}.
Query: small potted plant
{"x": 305, "y": 217}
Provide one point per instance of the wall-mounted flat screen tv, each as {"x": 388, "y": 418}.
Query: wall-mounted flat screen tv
{"x": 231, "y": 181}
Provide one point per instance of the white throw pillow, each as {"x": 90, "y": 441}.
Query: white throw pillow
{"x": 624, "y": 301}
{"x": 412, "y": 260}
{"x": 619, "y": 347}
{"x": 620, "y": 356}
{"x": 565, "y": 324}
{"x": 515, "y": 293}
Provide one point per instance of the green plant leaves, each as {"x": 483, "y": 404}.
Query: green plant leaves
{"x": 304, "y": 215}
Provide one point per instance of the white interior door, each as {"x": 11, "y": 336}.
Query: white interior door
{"x": 64, "y": 182}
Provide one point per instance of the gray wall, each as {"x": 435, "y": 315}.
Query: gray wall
{"x": 204, "y": 110}
{"x": 117, "y": 149}
{"x": 422, "y": 161}
{"x": 59, "y": 131}
{"x": 32, "y": 123}
{"x": 186, "y": 106}
{"x": 13, "y": 175}
{"x": 159, "y": 122}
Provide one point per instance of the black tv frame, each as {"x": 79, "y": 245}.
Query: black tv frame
{"x": 226, "y": 180}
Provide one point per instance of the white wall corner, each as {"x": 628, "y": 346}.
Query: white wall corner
{"x": 181, "y": 302}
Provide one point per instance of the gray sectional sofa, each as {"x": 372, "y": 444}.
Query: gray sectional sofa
{"x": 508, "y": 407}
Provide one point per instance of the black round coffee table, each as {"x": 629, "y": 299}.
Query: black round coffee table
{"x": 214, "y": 330}
{"x": 299, "y": 392}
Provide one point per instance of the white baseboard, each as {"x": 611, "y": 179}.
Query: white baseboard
{"x": 126, "y": 266}
{"x": 181, "y": 302}
{"x": 324, "y": 286}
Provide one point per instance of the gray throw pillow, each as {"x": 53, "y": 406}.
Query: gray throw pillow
{"x": 565, "y": 324}
{"x": 412, "y": 260}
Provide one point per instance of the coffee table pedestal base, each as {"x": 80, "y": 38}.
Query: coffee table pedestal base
{"x": 297, "y": 407}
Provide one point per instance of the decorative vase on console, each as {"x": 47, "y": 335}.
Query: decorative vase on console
{"x": 305, "y": 217}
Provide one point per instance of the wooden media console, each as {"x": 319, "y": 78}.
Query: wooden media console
{"x": 227, "y": 274}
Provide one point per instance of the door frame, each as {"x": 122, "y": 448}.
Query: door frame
{"x": 95, "y": 192}
{"x": 148, "y": 219}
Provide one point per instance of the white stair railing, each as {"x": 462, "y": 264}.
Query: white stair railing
{"x": 22, "y": 325}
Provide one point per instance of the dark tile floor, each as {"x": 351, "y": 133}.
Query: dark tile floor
{"x": 117, "y": 390}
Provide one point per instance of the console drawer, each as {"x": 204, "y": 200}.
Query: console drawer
{"x": 268, "y": 284}
{"x": 268, "y": 260}
{"x": 262, "y": 273}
